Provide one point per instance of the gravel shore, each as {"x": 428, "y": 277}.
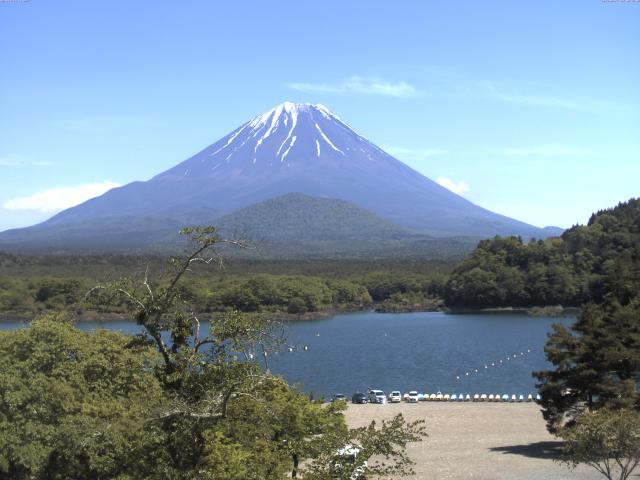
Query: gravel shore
{"x": 480, "y": 441}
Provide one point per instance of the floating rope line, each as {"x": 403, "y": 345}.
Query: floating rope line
{"x": 494, "y": 364}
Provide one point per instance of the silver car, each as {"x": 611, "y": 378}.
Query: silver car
{"x": 377, "y": 396}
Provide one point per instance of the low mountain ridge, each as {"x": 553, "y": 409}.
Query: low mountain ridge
{"x": 297, "y": 225}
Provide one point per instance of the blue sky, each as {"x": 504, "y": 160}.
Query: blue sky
{"x": 530, "y": 109}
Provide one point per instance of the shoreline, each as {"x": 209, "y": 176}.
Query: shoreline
{"x": 25, "y": 317}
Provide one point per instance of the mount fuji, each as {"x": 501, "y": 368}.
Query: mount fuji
{"x": 293, "y": 147}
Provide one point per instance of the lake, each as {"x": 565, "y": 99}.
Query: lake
{"x": 424, "y": 351}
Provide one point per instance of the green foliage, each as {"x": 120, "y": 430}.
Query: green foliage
{"x": 597, "y": 362}
{"x": 293, "y": 294}
{"x": 585, "y": 264}
{"x": 387, "y": 443}
{"x": 508, "y": 272}
{"x": 73, "y": 404}
{"x": 102, "y": 405}
{"x": 293, "y": 287}
{"x": 607, "y": 440}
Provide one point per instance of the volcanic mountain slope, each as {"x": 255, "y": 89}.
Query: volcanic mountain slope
{"x": 297, "y": 225}
{"x": 291, "y": 148}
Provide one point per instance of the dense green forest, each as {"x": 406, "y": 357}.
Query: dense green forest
{"x": 34, "y": 284}
{"x": 568, "y": 271}
{"x": 596, "y": 362}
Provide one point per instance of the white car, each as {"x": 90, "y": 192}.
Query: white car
{"x": 413, "y": 397}
{"x": 377, "y": 396}
{"x": 395, "y": 397}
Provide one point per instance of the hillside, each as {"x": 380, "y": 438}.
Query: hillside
{"x": 297, "y": 225}
{"x": 580, "y": 266}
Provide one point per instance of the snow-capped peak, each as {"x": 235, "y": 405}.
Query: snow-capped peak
{"x": 289, "y": 132}
{"x": 290, "y": 110}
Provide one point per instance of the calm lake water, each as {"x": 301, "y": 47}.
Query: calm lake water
{"x": 407, "y": 351}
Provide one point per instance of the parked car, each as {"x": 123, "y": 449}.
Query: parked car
{"x": 339, "y": 396}
{"x": 377, "y": 396}
{"x": 359, "y": 397}
{"x": 395, "y": 397}
{"x": 413, "y": 397}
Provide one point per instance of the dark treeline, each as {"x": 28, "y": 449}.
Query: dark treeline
{"x": 30, "y": 285}
{"x": 568, "y": 271}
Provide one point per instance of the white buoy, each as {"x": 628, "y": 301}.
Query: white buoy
{"x": 483, "y": 397}
{"x": 457, "y": 377}
{"x": 306, "y": 348}
{"x": 467, "y": 398}
{"x": 467, "y": 374}
{"x": 491, "y": 397}
{"x": 476, "y": 370}
{"x": 529, "y": 398}
{"x": 500, "y": 361}
{"x": 493, "y": 364}
{"x": 291, "y": 349}
{"x": 251, "y": 356}
{"x": 486, "y": 366}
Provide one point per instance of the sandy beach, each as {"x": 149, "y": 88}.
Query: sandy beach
{"x": 480, "y": 441}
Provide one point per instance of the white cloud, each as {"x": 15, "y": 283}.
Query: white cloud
{"x": 414, "y": 153}
{"x": 18, "y": 161}
{"x": 59, "y": 198}
{"x": 456, "y": 187}
{"x": 547, "y": 151}
{"x": 549, "y": 101}
{"x": 359, "y": 85}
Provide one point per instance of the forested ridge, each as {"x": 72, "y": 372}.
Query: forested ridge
{"x": 32, "y": 285}
{"x": 569, "y": 270}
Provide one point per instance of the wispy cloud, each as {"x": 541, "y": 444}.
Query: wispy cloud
{"x": 492, "y": 91}
{"x": 91, "y": 124}
{"x": 547, "y": 151}
{"x": 359, "y": 85}
{"x": 59, "y": 198}
{"x": 459, "y": 187}
{"x": 18, "y": 161}
{"x": 414, "y": 153}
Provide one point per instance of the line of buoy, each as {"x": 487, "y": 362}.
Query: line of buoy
{"x": 493, "y": 364}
